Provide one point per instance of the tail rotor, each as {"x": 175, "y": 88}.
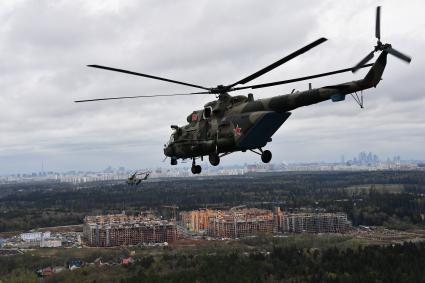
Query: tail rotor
{"x": 380, "y": 46}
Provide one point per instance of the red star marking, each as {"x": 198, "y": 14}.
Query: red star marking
{"x": 238, "y": 131}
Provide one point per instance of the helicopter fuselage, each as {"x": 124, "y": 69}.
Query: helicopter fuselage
{"x": 240, "y": 123}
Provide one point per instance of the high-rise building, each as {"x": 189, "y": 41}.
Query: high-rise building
{"x": 315, "y": 223}
{"x": 121, "y": 229}
{"x": 197, "y": 220}
{"x": 241, "y": 223}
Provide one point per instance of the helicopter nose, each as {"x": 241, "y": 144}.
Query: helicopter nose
{"x": 168, "y": 151}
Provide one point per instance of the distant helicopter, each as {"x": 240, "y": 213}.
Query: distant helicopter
{"x": 137, "y": 177}
{"x": 241, "y": 123}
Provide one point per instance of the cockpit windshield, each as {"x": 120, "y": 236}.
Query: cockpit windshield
{"x": 171, "y": 139}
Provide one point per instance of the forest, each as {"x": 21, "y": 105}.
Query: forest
{"x": 395, "y": 199}
{"x": 392, "y": 198}
{"x": 281, "y": 263}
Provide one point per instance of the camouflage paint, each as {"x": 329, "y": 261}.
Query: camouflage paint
{"x": 239, "y": 123}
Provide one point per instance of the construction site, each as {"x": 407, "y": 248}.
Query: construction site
{"x": 314, "y": 223}
{"x": 120, "y": 229}
{"x": 237, "y": 223}
{"x": 240, "y": 223}
{"x": 233, "y": 223}
{"x": 198, "y": 220}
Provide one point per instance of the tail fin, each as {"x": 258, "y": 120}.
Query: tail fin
{"x": 374, "y": 75}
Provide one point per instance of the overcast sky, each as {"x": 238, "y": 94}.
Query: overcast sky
{"x": 45, "y": 45}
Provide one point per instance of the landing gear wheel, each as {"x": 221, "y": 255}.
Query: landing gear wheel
{"x": 266, "y": 156}
{"x": 214, "y": 159}
{"x": 173, "y": 161}
{"x": 196, "y": 169}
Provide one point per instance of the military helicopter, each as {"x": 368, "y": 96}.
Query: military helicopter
{"x": 242, "y": 123}
{"x": 137, "y": 177}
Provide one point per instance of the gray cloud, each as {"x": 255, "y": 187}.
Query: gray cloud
{"x": 46, "y": 45}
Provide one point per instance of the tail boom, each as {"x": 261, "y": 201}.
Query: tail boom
{"x": 335, "y": 93}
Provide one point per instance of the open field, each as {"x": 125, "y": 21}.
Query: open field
{"x": 380, "y": 188}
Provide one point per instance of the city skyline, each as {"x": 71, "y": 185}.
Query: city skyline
{"x": 45, "y": 167}
{"x": 363, "y": 160}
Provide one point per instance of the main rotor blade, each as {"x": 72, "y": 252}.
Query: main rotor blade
{"x": 140, "y": 96}
{"x": 399, "y": 55}
{"x": 146, "y": 76}
{"x": 300, "y": 79}
{"x": 378, "y": 23}
{"x": 363, "y": 61}
{"x": 279, "y": 62}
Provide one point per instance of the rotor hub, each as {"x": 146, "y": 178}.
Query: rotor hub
{"x": 220, "y": 89}
{"x": 382, "y": 46}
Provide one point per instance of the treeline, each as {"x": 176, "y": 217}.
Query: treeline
{"x": 393, "y": 263}
{"x": 398, "y": 263}
{"x": 27, "y": 206}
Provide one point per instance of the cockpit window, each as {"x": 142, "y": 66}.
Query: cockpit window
{"x": 239, "y": 99}
{"x": 207, "y": 112}
{"x": 171, "y": 139}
